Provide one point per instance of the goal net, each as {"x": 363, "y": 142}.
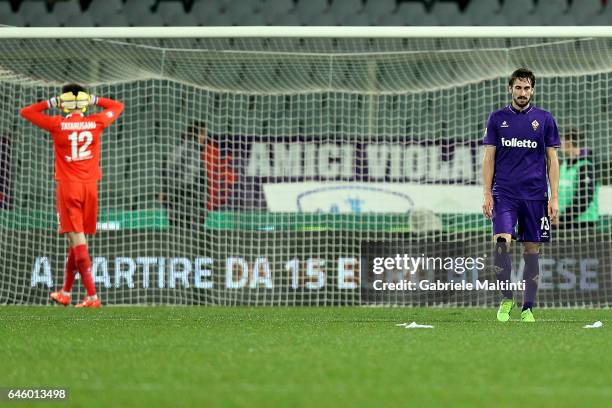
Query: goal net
{"x": 252, "y": 170}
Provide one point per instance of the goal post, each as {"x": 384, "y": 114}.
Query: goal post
{"x": 318, "y": 139}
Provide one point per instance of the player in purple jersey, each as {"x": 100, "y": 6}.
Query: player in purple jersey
{"x": 520, "y": 164}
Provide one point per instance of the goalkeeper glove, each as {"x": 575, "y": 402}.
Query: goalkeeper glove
{"x": 53, "y": 102}
{"x": 69, "y": 101}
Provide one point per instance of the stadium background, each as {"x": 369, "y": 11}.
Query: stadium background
{"x": 413, "y": 100}
{"x": 315, "y": 12}
{"x": 431, "y": 95}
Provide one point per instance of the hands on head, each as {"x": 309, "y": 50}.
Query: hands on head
{"x": 74, "y": 97}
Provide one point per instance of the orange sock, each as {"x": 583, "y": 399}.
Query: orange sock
{"x": 84, "y": 264}
{"x": 70, "y": 272}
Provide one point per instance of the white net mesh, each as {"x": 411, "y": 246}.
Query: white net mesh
{"x": 314, "y": 145}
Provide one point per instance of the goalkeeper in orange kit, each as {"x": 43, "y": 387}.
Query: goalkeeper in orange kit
{"x": 76, "y": 143}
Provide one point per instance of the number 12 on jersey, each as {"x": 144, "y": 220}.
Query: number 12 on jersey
{"x": 83, "y": 153}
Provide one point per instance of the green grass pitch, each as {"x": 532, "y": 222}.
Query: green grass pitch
{"x": 292, "y": 357}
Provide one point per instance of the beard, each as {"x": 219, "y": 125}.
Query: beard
{"x": 522, "y": 102}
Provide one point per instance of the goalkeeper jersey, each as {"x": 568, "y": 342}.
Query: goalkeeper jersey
{"x": 520, "y": 139}
{"x": 76, "y": 138}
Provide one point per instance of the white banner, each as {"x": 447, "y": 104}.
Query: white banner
{"x": 356, "y": 198}
{"x": 353, "y": 197}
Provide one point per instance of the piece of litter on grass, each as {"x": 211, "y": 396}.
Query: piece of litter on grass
{"x": 414, "y": 325}
{"x": 595, "y": 325}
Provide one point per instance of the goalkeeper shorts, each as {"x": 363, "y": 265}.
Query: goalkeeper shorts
{"x": 77, "y": 206}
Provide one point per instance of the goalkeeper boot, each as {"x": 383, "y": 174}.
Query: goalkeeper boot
{"x": 60, "y": 297}
{"x": 90, "y": 302}
{"x": 503, "y": 313}
{"x": 527, "y": 316}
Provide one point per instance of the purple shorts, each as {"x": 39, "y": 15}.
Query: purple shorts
{"x": 531, "y": 216}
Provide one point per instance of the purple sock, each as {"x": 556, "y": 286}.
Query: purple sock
{"x": 530, "y": 275}
{"x": 503, "y": 262}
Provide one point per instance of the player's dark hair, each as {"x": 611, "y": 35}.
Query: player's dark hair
{"x": 522, "y": 73}
{"x": 74, "y": 88}
{"x": 195, "y": 127}
{"x": 572, "y": 135}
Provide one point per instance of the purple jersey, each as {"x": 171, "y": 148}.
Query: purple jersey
{"x": 521, "y": 139}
